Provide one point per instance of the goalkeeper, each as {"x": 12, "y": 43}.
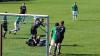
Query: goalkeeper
{"x": 16, "y": 25}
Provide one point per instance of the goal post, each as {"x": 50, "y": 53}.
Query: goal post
{"x": 0, "y": 39}
{"x": 34, "y": 15}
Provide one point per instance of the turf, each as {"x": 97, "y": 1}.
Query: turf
{"x": 85, "y": 32}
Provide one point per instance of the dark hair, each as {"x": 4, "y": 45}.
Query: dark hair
{"x": 5, "y": 11}
{"x": 62, "y": 22}
{"x": 56, "y": 24}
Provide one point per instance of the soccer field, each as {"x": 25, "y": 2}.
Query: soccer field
{"x": 85, "y": 32}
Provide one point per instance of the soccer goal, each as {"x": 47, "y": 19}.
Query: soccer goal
{"x": 32, "y": 17}
{"x": 1, "y": 39}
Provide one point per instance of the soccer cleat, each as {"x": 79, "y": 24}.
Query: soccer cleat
{"x": 59, "y": 53}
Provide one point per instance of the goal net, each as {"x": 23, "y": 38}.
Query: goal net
{"x": 18, "y": 40}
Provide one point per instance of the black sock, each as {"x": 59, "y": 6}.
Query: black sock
{"x": 55, "y": 49}
{"x": 59, "y": 48}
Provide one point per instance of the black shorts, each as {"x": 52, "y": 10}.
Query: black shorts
{"x": 33, "y": 32}
{"x": 59, "y": 40}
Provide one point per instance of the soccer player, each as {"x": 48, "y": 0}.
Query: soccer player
{"x": 54, "y": 36}
{"x": 62, "y": 31}
{"x": 75, "y": 11}
{"x": 16, "y": 25}
{"x": 4, "y": 25}
{"x": 34, "y": 28}
{"x": 23, "y": 10}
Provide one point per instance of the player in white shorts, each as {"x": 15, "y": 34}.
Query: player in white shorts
{"x": 75, "y": 11}
{"x": 16, "y": 25}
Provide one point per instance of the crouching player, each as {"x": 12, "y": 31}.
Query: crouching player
{"x": 16, "y": 25}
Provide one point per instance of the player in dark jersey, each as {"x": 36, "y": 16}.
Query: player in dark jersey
{"x": 23, "y": 8}
{"x": 4, "y": 25}
{"x": 57, "y": 41}
{"x": 34, "y": 28}
{"x": 62, "y": 31}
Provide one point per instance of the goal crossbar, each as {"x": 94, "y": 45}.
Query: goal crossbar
{"x": 15, "y": 14}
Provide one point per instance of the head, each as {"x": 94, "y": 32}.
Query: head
{"x": 75, "y": 3}
{"x": 23, "y": 4}
{"x": 37, "y": 20}
{"x": 5, "y": 11}
{"x": 42, "y": 20}
{"x": 56, "y": 24}
{"x": 62, "y": 22}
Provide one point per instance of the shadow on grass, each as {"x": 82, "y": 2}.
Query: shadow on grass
{"x": 73, "y": 45}
{"x": 16, "y": 38}
{"x": 81, "y": 55}
{"x": 89, "y": 20}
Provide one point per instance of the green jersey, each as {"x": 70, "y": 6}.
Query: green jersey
{"x": 18, "y": 20}
{"x": 54, "y": 33}
{"x": 74, "y": 8}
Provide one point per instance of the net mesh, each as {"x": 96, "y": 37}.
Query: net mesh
{"x": 15, "y": 45}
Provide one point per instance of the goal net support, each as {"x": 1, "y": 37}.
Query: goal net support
{"x": 34, "y": 16}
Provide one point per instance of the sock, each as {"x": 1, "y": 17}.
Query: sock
{"x": 50, "y": 48}
{"x": 55, "y": 49}
{"x": 59, "y": 48}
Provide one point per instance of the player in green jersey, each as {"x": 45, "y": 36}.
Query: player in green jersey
{"x": 53, "y": 37}
{"x": 16, "y": 25}
{"x": 75, "y": 11}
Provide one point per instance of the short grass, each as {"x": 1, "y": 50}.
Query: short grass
{"x": 85, "y": 32}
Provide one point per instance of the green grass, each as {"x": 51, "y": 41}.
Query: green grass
{"x": 85, "y": 32}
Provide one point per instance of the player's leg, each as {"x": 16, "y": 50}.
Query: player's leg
{"x": 15, "y": 28}
{"x": 59, "y": 48}
{"x": 51, "y": 45}
{"x": 75, "y": 14}
{"x": 59, "y": 44}
{"x": 23, "y": 19}
{"x": 55, "y": 48}
{"x": 5, "y": 31}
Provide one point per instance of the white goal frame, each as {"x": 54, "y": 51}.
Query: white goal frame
{"x": 34, "y": 16}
